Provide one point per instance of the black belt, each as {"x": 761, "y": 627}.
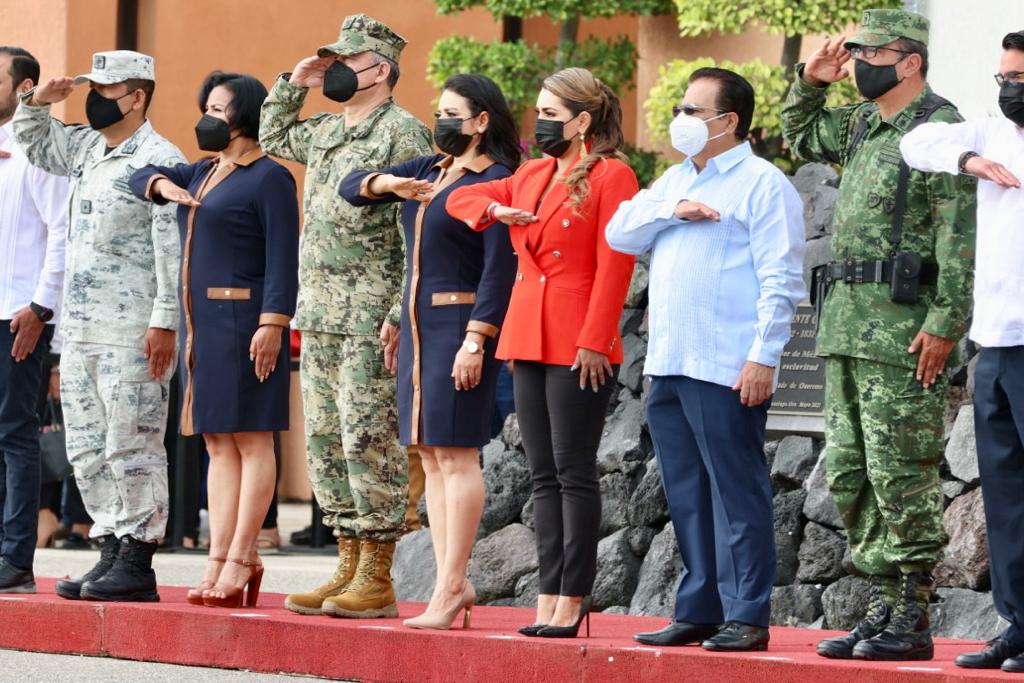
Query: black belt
{"x": 856, "y": 272}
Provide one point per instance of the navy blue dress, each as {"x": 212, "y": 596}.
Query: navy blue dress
{"x": 456, "y": 279}
{"x": 239, "y": 270}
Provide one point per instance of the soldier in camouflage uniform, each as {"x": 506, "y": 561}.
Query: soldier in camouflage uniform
{"x": 120, "y": 313}
{"x": 350, "y": 278}
{"x": 885, "y": 388}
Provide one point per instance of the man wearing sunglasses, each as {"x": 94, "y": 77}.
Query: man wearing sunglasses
{"x": 992, "y": 149}
{"x": 896, "y": 300}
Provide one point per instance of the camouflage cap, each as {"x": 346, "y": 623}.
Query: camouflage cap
{"x": 361, "y": 33}
{"x": 118, "y": 66}
{"x": 882, "y": 26}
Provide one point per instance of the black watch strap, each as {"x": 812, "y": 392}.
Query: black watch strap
{"x": 42, "y": 312}
{"x": 962, "y": 162}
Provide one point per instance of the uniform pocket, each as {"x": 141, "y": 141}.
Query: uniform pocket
{"x": 138, "y": 414}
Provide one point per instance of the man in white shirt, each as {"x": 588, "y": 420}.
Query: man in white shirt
{"x": 33, "y": 221}
{"x": 993, "y": 150}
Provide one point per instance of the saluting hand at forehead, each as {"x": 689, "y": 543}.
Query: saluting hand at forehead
{"x": 826, "y": 65}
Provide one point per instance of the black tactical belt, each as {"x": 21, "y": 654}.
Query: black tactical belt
{"x": 857, "y": 272}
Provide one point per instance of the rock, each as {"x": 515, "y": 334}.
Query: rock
{"x": 508, "y": 486}
{"x": 965, "y": 614}
{"x": 502, "y": 602}
{"x": 636, "y": 297}
{"x": 526, "y": 516}
{"x": 796, "y": 605}
{"x": 617, "y": 609}
{"x": 631, "y": 320}
{"x": 642, "y": 331}
{"x": 621, "y": 443}
{"x": 617, "y": 571}
{"x": 965, "y": 562}
{"x": 640, "y": 540}
{"x": 414, "y": 571}
{"x": 789, "y": 522}
{"x": 659, "y": 574}
{"x": 794, "y": 460}
{"x": 819, "y": 506}
{"x": 972, "y": 368}
{"x": 816, "y": 184}
{"x": 631, "y": 374}
{"x": 500, "y": 559}
{"x": 647, "y": 506}
{"x": 770, "y": 449}
{"x": 962, "y": 449}
{"x": 953, "y": 489}
{"x": 821, "y": 555}
{"x": 818, "y": 623}
{"x": 510, "y": 434}
{"x": 845, "y": 602}
{"x": 527, "y": 588}
{"x": 616, "y": 490}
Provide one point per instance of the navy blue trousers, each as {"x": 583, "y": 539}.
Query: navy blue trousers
{"x": 999, "y": 428}
{"x": 710, "y": 450}
{"x": 19, "y": 448}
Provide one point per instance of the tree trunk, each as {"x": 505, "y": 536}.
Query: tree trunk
{"x": 567, "y": 35}
{"x": 791, "y": 53}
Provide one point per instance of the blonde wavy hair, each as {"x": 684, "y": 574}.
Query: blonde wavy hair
{"x": 581, "y": 92}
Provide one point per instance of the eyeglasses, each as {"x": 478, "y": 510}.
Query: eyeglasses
{"x": 691, "y": 109}
{"x": 1009, "y": 77}
{"x": 869, "y": 52}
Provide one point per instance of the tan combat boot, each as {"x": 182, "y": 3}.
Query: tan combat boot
{"x": 348, "y": 560}
{"x": 370, "y": 594}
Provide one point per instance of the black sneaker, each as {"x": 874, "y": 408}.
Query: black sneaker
{"x": 71, "y": 589}
{"x": 131, "y": 579}
{"x": 14, "y": 580}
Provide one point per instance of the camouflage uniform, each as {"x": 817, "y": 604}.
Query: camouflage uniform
{"x": 121, "y": 278}
{"x": 350, "y": 276}
{"x": 883, "y": 429}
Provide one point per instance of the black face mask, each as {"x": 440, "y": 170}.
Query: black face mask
{"x": 1011, "y": 101}
{"x": 550, "y": 136}
{"x": 341, "y": 81}
{"x": 449, "y": 138}
{"x": 873, "y": 81}
{"x": 212, "y": 134}
{"x": 103, "y": 112}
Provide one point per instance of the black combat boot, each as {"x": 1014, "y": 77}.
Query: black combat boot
{"x": 72, "y": 588}
{"x": 876, "y": 619}
{"x": 131, "y": 579}
{"x": 908, "y": 636}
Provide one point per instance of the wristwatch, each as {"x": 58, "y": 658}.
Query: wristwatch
{"x": 42, "y": 312}
{"x": 472, "y": 346}
{"x": 961, "y": 164}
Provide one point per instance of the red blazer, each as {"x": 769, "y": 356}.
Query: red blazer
{"x": 570, "y": 287}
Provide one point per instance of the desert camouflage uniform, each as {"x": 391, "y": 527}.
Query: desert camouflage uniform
{"x": 350, "y": 278}
{"x": 121, "y": 278}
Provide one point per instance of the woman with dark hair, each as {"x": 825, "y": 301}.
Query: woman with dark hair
{"x": 454, "y": 304}
{"x": 562, "y": 328}
{"x": 238, "y": 217}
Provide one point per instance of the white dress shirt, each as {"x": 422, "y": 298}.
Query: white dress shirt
{"x": 33, "y": 225}
{"x": 721, "y": 293}
{"x": 999, "y": 263}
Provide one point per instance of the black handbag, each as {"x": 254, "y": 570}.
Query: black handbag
{"x": 52, "y": 447}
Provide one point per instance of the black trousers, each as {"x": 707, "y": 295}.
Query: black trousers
{"x": 999, "y": 428}
{"x": 561, "y": 427}
{"x": 19, "y": 447}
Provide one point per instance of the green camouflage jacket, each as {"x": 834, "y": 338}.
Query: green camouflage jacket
{"x": 121, "y": 263}
{"x": 351, "y": 267}
{"x": 860, "y": 320}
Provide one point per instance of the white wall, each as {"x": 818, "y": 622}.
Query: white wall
{"x": 965, "y": 46}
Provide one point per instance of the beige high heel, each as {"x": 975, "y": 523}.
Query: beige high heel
{"x": 445, "y": 621}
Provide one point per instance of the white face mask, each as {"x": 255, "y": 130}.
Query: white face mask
{"x": 690, "y": 133}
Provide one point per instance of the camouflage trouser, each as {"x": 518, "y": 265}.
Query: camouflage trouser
{"x": 358, "y": 471}
{"x": 115, "y": 416}
{"x": 883, "y": 436}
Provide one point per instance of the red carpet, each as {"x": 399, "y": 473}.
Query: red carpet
{"x": 272, "y": 639}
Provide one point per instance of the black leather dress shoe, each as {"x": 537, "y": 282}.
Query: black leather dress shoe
{"x": 1014, "y": 665}
{"x": 995, "y": 653}
{"x": 678, "y": 633}
{"x": 737, "y": 637}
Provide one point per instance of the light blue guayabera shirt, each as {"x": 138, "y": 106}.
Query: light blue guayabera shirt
{"x": 721, "y": 293}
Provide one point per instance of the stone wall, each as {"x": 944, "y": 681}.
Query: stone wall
{"x": 638, "y": 562}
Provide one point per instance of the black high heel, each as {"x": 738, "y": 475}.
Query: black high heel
{"x": 532, "y": 629}
{"x": 569, "y": 631}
